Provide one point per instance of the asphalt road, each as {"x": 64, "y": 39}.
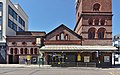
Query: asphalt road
{"x": 59, "y": 71}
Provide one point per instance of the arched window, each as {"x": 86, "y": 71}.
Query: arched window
{"x": 101, "y": 33}
{"x": 96, "y": 21}
{"x": 16, "y": 51}
{"x": 35, "y": 51}
{"x": 57, "y": 37}
{"x": 102, "y": 21}
{"x": 62, "y": 36}
{"x": 96, "y": 7}
{"x": 91, "y": 33}
{"x": 21, "y": 51}
{"x": 66, "y": 37}
{"x": 24, "y": 43}
{"x": 11, "y": 51}
{"x": 90, "y": 21}
{"x": 26, "y": 51}
{"x": 31, "y": 51}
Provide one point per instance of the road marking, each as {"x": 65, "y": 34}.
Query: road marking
{"x": 111, "y": 73}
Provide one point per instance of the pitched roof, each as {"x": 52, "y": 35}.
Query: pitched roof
{"x": 62, "y": 25}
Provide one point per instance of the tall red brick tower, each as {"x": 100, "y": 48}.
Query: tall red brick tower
{"x": 94, "y": 21}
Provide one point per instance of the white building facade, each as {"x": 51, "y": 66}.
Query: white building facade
{"x": 116, "y": 55}
{"x": 12, "y": 19}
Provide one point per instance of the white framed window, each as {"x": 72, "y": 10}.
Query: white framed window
{"x": 62, "y": 36}
{"x": 38, "y": 41}
{"x": 86, "y": 58}
{"x": 106, "y": 58}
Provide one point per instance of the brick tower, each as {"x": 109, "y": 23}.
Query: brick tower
{"x": 94, "y": 21}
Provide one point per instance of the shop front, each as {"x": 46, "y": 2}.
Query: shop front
{"x": 78, "y": 56}
{"x": 28, "y": 59}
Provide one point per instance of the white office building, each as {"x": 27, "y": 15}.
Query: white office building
{"x": 12, "y": 19}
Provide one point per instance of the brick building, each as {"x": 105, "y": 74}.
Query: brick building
{"x": 23, "y": 48}
{"x": 63, "y": 47}
{"x": 94, "y": 21}
{"x": 94, "y": 24}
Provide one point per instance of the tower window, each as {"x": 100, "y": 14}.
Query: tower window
{"x": 96, "y": 7}
{"x": 90, "y": 21}
{"x": 102, "y": 22}
{"x": 101, "y": 33}
{"x": 91, "y": 33}
{"x": 96, "y": 21}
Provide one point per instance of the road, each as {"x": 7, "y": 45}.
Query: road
{"x": 58, "y": 71}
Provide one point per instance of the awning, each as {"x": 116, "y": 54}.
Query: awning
{"x": 77, "y": 48}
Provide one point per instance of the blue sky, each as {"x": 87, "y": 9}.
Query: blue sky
{"x": 45, "y": 15}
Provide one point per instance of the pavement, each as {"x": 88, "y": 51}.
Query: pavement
{"x": 59, "y": 71}
{"x": 49, "y": 66}
{"x": 22, "y": 66}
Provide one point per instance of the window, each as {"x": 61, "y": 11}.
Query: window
{"x": 96, "y": 7}
{"x": 106, "y": 58}
{"x": 11, "y": 51}
{"x": 20, "y": 29}
{"x": 101, "y": 33}
{"x": 31, "y": 51}
{"x": 21, "y": 21}
{"x": 38, "y": 41}
{"x": 12, "y": 25}
{"x": 66, "y": 37}
{"x": 1, "y": 6}
{"x": 91, "y": 33}
{"x": 57, "y": 37}
{"x": 35, "y": 50}
{"x": 21, "y": 51}
{"x": 90, "y": 21}
{"x": 86, "y": 58}
{"x": 0, "y": 21}
{"x": 16, "y": 51}
{"x": 0, "y": 34}
{"x": 96, "y": 21}
{"x": 26, "y": 51}
{"x": 62, "y": 36}
{"x": 12, "y": 12}
{"x": 15, "y": 15}
{"x": 102, "y": 22}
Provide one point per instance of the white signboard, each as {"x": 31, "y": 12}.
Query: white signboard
{"x": 86, "y": 58}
